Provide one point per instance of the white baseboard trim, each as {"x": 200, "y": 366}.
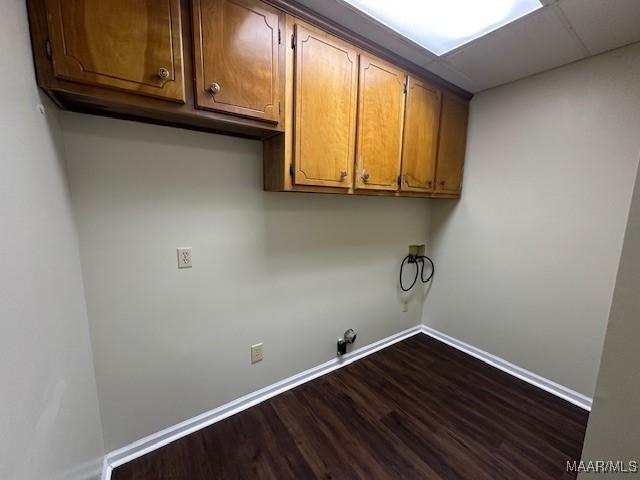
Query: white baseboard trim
{"x": 170, "y": 434}
{"x": 554, "y": 388}
{"x": 106, "y": 469}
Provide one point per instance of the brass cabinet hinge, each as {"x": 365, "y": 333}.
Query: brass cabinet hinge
{"x": 293, "y": 40}
{"x": 399, "y": 180}
{"x": 404, "y": 85}
{"x": 291, "y": 172}
{"x": 47, "y": 47}
{"x": 279, "y": 37}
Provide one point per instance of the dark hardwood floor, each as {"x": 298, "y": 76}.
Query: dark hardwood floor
{"x": 418, "y": 409}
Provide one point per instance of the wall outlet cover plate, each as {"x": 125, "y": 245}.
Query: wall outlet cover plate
{"x": 256, "y": 353}
{"x": 417, "y": 250}
{"x": 184, "y": 257}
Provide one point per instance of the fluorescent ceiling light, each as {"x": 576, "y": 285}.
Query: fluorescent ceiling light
{"x": 442, "y": 25}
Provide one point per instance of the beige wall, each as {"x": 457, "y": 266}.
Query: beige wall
{"x": 291, "y": 270}
{"x": 49, "y": 420}
{"x": 527, "y": 258}
{"x": 613, "y": 432}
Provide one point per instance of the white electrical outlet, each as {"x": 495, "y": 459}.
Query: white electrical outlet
{"x": 184, "y": 257}
{"x": 256, "y": 353}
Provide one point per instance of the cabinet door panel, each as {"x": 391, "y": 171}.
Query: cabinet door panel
{"x": 381, "y": 112}
{"x": 422, "y": 119}
{"x": 452, "y": 144}
{"x": 128, "y": 45}
{"x": 326, "y": 74}
{"x": 237, "y": 57}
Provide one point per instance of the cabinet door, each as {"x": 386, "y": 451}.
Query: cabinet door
{"x": 421, "y": 125}
{"x": 381, "y": 113}
{"x": 237, "y": 57}
{"x": 326, "y": 75}
{"x": 128, "y": 45}
{"x": 452, "y": 144}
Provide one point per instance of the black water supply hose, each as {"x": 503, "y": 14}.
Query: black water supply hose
{"x": 419, "y": 270}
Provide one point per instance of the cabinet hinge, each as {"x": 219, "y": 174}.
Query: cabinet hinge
{"x": 47, "y": 47}
{"x": 293, "y": 40}
{"x": 291, "y": 169}
{"x": 279, "y": 37}
{"x": 404, "y": 86}
{"x": 399, "y": 180}
{"x": 279, "y": 107}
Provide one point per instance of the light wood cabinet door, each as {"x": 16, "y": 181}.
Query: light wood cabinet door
{"x": 237, "y": 57}
{"x": 326, "y": 75}
{"x": 452, "y": 144}
{"x": 135, "y": 46}
{"x": 420, "y": 145}
{"x": 380, "y": 119}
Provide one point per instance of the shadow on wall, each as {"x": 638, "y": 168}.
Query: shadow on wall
{"x": 357, "y": 228}
{"x": 264, "y": 263}
{"x": 310, "y": 233}
{"x": 442, "y": 213}
{"x": 214, "y": 183}
{"x": 164, "y": 187}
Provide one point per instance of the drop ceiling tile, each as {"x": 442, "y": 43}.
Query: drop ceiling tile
{"x": 356, "y": 21}
{"x": 533, "y": 44}
{"x": 604, "y": 24}
{"x": 445, "y": 71}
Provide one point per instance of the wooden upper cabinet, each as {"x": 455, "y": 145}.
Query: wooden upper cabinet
{"x": 237, "y": 59}
{"x": 334, "y": 117}
{"x": 135, "y": 46}
{"x": 452, "y": 144}
{"x": 325, "y": 86}
{"x": 380, "y": 119}
{"x": 420, "y": 145}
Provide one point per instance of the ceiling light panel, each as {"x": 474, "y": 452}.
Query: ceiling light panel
{"x": 443, "y": 25}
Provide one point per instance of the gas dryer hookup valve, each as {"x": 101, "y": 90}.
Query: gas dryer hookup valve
{"x": 349, "y": 337}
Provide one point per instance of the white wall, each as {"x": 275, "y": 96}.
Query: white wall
{"x": 527, "y": 258}
{"x": 291, "y": 270}
{"x": 613, "y": 433}
{"x": 49, "y": 420}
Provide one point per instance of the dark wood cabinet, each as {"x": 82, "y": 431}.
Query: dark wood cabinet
{"x": 133, "y": 46}
{"x": 237, "y": 57}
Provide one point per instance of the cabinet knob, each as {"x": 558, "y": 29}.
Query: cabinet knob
{"x": 163, "y": 73}
{"x": 442, "y": 183}
{"x": 214, "y": 88}
{"x": 365, "y": 176}
{"x": 429, "y": 183}
{"x": 343, "y": 174}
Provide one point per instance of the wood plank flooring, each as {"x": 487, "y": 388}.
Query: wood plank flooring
{"x": 418, "y": 409}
